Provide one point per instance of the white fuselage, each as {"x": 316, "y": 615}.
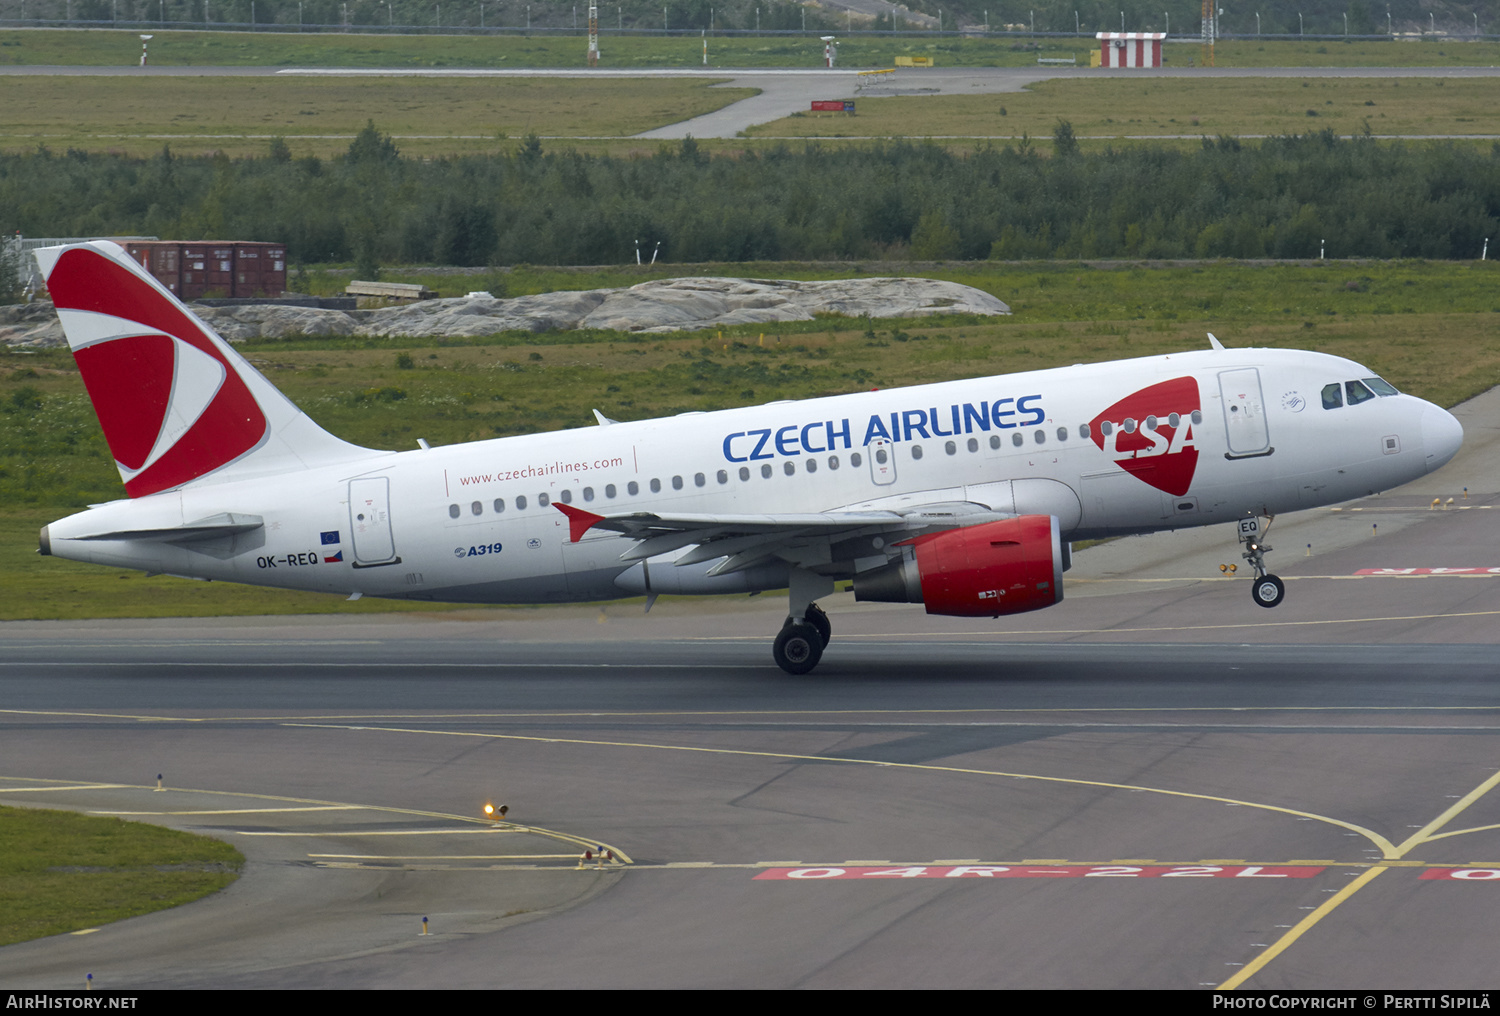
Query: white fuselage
{"x": 1128, "y": 447}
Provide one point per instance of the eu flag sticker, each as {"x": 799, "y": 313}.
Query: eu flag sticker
{"x": 330, "y": 537}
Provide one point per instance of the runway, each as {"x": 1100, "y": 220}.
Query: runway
{"x": 1155, "y": 784}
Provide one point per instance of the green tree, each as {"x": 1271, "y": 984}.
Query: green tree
{"x": 371, "y": 147}
{"x": 1064, "y": 144}
{"x": 934, "y": 239}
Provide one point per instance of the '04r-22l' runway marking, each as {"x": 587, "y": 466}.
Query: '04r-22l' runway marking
{"x": 1051, "y": 871}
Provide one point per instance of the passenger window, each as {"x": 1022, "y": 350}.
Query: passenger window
{"x": 499, "y": 505}
{"x": 632, "y": 488}
{"x": 1062, "y": 433}
{"x": 1150, "y": 423}
{"x": 1041, "y": 436}
{"x": 1106, "y": 428}
{"x": 566, "y": 496}
{"x": 520, "y": 502}
{"x": 880, "y": 456}
{"x": 1357, "y": 392}
{"x": 1083, "y": 431}
{"x": 1197, "y": 418}
{"x": 833, "y": 462}
{"x": 588, "y": 493}
{"x": 476, "y": 508}
{"x": 916, "y": 451}
{"x": 1017, "y": 440}
{"x": 609, "y": 491}
{"x": 973, "y": 444}
{"x": 542, "y": 500}
{"x": 1333, "y": 396}
{"x": 699, "y": 480}
{"x": 950, "y": 447}
{"x": 1173, "y": 420}
{"x": 812, "y": 465}
{"x": 655, "y": 485}
{"x": 765, "y": 471}
{"x": 453, "y": 511}
{"x": 722, "y": 476}
{"x": 744, "y": 472}
{"x": 856, "y": 459}
{"x": 789, "y": 467}
{"x": 676, "y": 483}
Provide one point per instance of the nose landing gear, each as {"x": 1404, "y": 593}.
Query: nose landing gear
{"x": 1267, "y": 590}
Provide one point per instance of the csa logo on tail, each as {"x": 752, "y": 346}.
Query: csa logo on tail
{"x": 1149, "y": 434}
{"x": 171, "y": 405}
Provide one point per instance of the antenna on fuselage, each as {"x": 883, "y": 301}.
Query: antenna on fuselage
{"x": 1214, "y": 342}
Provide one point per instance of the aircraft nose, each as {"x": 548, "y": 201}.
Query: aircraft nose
{"x": 1442, "y": 435}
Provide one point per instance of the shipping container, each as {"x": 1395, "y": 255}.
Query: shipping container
{"x": 219, "y": 268}
{"x": 162, "y": 259}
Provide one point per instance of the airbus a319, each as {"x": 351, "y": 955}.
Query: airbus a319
{"x": 963, "y": 496}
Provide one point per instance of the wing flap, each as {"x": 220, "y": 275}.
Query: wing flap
{"x": 745, "y": 540}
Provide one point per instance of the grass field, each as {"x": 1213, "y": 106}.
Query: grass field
{"x": 1119, "y": 108}
{"x": 61, "y": 871}
{"x": 1430, "y": 328}
{"x": 435, "y": 117}
{"x": 103, "y": 47}
{"x": 320, "y": 116}
{"x": 427, "y": 116}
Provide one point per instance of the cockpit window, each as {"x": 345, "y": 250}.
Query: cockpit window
{"x": 1381, "y": 386}
{"x": 1333, "y": 396}
{"x": 1357, "y": 392}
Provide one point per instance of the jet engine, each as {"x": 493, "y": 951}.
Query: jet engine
{"x": 1004, "y": 567}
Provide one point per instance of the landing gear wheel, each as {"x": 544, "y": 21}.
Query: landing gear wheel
{"x": 1268, "y": 590}
{"x": 815, "y": 616}
{"x": 798, "y": 648}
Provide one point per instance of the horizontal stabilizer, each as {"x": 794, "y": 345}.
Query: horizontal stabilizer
{"x": 223, "y": 524}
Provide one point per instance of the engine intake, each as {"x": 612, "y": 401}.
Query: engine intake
{"x": 1005, "y": 567}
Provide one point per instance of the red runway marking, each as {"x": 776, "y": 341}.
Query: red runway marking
{"x": 1047, "y": 871}
{"x": 1428, "y": 571}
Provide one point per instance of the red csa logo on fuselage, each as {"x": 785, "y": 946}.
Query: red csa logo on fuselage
{"x": 1149, "y": 434}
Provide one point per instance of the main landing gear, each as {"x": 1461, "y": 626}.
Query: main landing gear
{"x": 800, "y": 644}
{"x": 1267, "y": 590}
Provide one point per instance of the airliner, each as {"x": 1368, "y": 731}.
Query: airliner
{"x": 964, "y": 496}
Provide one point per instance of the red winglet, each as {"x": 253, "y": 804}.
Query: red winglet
{"x": 579, "y": 521}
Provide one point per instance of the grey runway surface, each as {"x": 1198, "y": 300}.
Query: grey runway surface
{"x": 1154, "y": 784}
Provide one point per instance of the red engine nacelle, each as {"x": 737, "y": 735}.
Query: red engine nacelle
{"x": 1004, "y": 567}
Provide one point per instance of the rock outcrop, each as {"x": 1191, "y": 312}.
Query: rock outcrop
{"x": 659, "y": 306}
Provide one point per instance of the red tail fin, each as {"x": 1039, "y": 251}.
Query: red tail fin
{"x": 175, "y": 401}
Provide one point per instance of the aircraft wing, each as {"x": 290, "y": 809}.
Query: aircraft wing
{"x": 745, "y": 540}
